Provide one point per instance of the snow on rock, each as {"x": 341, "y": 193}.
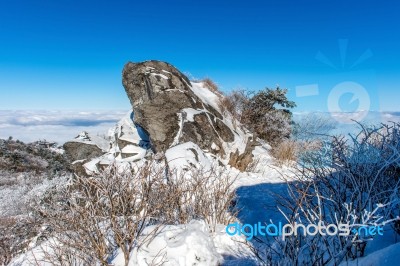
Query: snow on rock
{"x": 182, "y": 120}
{"x": 85, "y": 137}
{"x": 125, "y": 130}
{"x": 159, "y": 75}
{"x": 168, "y": 110}
{"x": 85, "y": 146}
{"x": 206, "y": 96}
{"x": 174, "y": 110}
{"x": 262, "y": 157}
{"x": 176, "y": 245}
{"x": 190, "y": 113}
{"x": 125, "y": 143}
{"x": 188, "y": 155}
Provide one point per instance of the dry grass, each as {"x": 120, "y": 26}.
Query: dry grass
{"x": 227, "y": 105}
{"x": 288, "y": 151}
{"x": 211, "y": 85}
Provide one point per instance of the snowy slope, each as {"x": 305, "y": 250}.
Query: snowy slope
{"x": 386, "y": 256}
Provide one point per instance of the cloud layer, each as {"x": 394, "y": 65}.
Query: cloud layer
{"x": 59, "y": 126}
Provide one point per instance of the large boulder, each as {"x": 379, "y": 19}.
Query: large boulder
{"x": 166, "y": 106}
{"x": 173, "y": 110}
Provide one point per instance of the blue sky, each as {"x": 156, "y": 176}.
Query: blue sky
{"x": 70, "y": 54}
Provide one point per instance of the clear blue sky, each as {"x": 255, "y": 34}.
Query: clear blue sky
{"x": 69, "y": 54}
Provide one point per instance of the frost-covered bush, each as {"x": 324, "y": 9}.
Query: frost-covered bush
{"x": 352, "y": 181}
{"x": 266, "y": 113}
{"x": 17, "y": 224}
{"x": 16, "y": 156}
{"x": 200, "y": 194}
{"x": 313, "y": 126}
{"x": 93, "y": 217}
{"x": 27, "y": 171}
{"x": 234, "y": 103}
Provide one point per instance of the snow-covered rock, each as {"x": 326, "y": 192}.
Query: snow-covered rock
{"x": 174, "y": 110}
{"x": 85, "y": 146}
{"x": 171, "y": 115}
{"x": 188, "y": 155}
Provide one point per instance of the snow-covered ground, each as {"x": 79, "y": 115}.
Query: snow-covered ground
{"x": 193, "y": 243}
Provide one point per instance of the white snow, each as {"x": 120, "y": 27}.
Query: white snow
{"x": 35, "y": 256}
{"x": 190, "y": 113}
{"x": 215, "y": 146}
{"x": 187, "y": 155}
{"x": 233, "y": 248}
{"x": 176, "y": 245}
{"x": 387, "y": 256}
{"x": 159, "y": 75}
{"x": 131, "y": 149}
{"x": 205, "y": 94}
{"x": 125, "y": 130}
{"x": 87, "y": 138}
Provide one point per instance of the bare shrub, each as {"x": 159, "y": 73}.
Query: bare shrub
{"x": 196, "y": 194}
{"x": 95, "y": 215}
{"x": 209, "y": 195}
{"x": 352, "y": 181}
{"x": 16, "y": 234}
{"x": 313, "y": 126}
{"x": 92, "y": 217}
{"x": 6, "y": 240}
{"x": 233, "y": 104}
{"x": 253, "y": 165}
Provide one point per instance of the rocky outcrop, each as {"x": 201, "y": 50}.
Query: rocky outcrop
{"x": 170, "y": 115}
{"x": 76, "y": 151}
{"x": 85, "y": 147}
{"x": 161, "y": 98}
